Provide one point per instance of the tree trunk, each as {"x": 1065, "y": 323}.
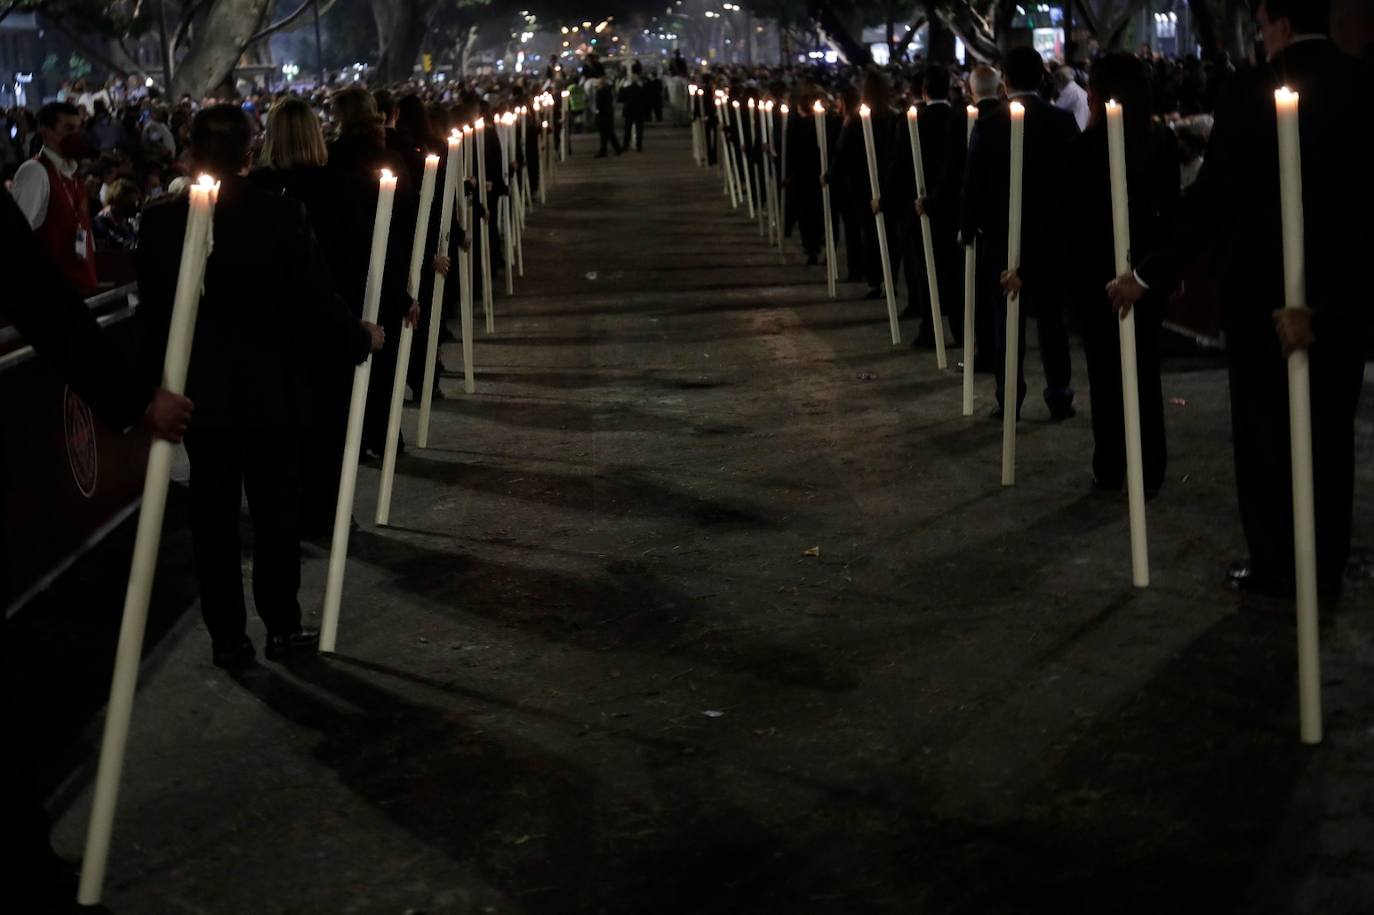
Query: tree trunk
{"x": 974, "y": 31}
{"x": 219, "y": 45}
{"x": 832, "y": 27}
{"x": 401, "y": 28}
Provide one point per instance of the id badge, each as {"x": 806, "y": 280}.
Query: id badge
{"x": 81, "y": 243}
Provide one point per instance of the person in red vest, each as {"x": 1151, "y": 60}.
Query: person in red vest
{"x": 53, "y": 198}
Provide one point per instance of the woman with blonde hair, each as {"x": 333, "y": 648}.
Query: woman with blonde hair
{"x": 293, "y": 162}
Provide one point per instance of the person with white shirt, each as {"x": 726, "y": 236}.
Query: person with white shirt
{"x": 53, "y": 198}
{"x": 158, "y": 135}
{"x": 1072, "y": 97}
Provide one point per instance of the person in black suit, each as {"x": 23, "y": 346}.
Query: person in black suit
{"x": 1048, "y": 135}
{"x": 268, "y": 308}
{"x": 850, "y": 161}
{"x": 54, "y": 320}
{"x": 292, "y": 164}
{"x": 1153, "y": 179}
{"x": 985, "y": 86}
{"x": 636, "y": 104}
{"x": 356, "y": 157}
{"x": 1235, "y": 205}
{"x": 801, "y": 184}
{"x": 938, "y": 122}
{"x": 605, "y": 116}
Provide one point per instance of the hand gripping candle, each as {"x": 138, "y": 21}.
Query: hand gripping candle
{"x": 443, "y": 249}
{"x": 1300, "y": 420}
{"x": 1011, "y": 386}
{"x": 1130, "y": 379}
{"x": 970, "y": 284}
{"x": 866, "y": 119}
{"x": 353, "y": 440}
{"x": 918, "y": 168}
{"x": 398, "y": 384}
{"x": 831, "y": 269}
{"x": 195, "y": 250}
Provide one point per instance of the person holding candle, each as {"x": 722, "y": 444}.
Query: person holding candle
{"x": 267, "y": 310}
{"x": 1049, "y": 133}
{"x": 1235, "y": 205}
{"x": 851, "y": 162}
{"x": 985, "y": 85}
{"x": 357, "y": 154}
{"x": 1153, "y": 182}
{"x": 50, "y": 313}
{"x": 802, "y": 183}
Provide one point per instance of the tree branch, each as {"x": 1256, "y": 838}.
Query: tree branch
{"x": 281, "y": 23}
{"x": 83, "y": 47}
{"x": 973, "y": 30}
{"x": 184, "y": 26}
{"x": 9, "y": 8}
{"x": 905, "y": 44}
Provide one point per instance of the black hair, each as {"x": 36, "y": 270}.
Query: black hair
{"x": 1305, "y": 17}
{"x": 1025, "y": 70}
{"x": 49, "y": 113}
{"x": 220, "y": 138}
{"x": 937, "y": 82}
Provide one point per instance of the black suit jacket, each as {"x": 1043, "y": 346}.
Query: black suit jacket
{"x": 269, "y": 308}
{"x": 1049, "y": 133}
{"x": 899, "y": 184}
{"x": 1235, "y": 202}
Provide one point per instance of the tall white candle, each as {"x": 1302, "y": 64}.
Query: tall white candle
{"x": 1010, "y": 388}
{"x": 782, "y": 164}
{"x": 436, "y": 302}
{"x": 353, "y": 440}
{"x": 866, "y": 119}
{"x": 725, "y": 156}
{"x": 465, "y": 271}
{"x": 918, "y": 167}
{"x": 765, "y": 142}
{"x": 765, "y": 201}
{"x": 195, "y": 250}
{"x": 822, "y": 141}
{"x": 1300, "y": 420}
{"x": 970, "y": 284}
{"x": 745, "y": 167}
{"x": 566, "y": 145}
{"x": 488, "y": 301}
{"x": 1130, "y": 379}
{"x": 398, "y": 381}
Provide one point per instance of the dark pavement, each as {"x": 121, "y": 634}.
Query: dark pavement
{"x": 595, "y": 666}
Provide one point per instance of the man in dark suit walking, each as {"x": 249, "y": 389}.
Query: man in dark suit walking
{"x": 268, "y": 307}
{"x": 1235, "y": 206}
{"x": 987, "y": 190}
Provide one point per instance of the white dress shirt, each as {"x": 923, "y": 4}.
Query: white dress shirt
{"x": 1074, "y": 100}
{"x": 30, "y": 189}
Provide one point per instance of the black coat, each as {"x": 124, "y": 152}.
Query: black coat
{"x": 1049, "y": 133}
{"x": 899, "y": 182}
{"x": 1235, "y": 203}
{"x": 1153, "y": 196}
{"x": 268, "y": 310}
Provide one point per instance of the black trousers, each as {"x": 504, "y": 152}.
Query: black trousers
{"x": 607, "y": 129}
{"x": 225, "y": 465}
{"x": 949, "y": 276}
{"x": 322, "y": 445}
{"x": 635, "y": 125}
{"x": 1102, "y": 345}
{"x": 1259, "y": 424}
{"x": 1054, "y": 346}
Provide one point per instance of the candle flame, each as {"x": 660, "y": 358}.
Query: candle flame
{"x": 751, "y": 103}
{"x": 735, "y": 103}
{"x": 1284, "y": 94}
{"x": 864, "y": 111}
{"x": 386, "y": 174}
{"x": 1018, "y": 110}
{"x": 785, "y": 109}
{"x": 431, "y": 158}
{"x": 206, "y": 181}
{"x": 480, "y": 123}
{"x": 467, "y": 129}
{"x": 1112, "y": 104}
{"x": 972, "y": 111}
{"x": 911, "y": 112}
{"x": 818, "y": 107}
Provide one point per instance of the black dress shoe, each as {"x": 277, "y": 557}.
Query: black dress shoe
{"x": 233, "y": 656}
{"x": 1059, "y": 414}
{"x": 1244, "y": 577}
{"x": 301, "y": 642}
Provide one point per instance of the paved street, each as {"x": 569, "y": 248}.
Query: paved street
{"x": 709, "y": 600}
